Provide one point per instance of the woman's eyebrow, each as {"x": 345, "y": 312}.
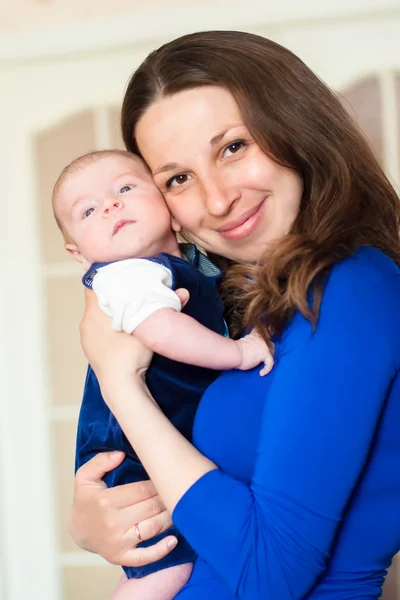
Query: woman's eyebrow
{"x": 217, "y": 138}
{"x": 167, "y": 167}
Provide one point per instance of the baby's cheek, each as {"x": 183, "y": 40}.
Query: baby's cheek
{"x": 99, "y": 251}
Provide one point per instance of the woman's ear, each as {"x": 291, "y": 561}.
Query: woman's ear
{"x": 175, "y": 225}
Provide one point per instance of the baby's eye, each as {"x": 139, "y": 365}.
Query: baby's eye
{"x": 233, "y": 148}
{"x": 88, "y": 212}
{"x": 177, "y": 180}
{"x": 125, "y": 188}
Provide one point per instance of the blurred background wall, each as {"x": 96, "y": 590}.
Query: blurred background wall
{"x": 63, "y": 70}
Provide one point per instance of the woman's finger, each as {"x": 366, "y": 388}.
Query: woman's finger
{"x": 149, "y": 528}
{"x": 94, "y": 470}
{"x": 183, "y": 295}
{"x": 93, "y": 317}
{"x": 90, "y": 299}
{"x": 130, "y": 494}
{"x": 138, "y": 557}
{"x": 142, "y": 511}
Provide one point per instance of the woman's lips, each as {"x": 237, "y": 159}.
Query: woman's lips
{"x": 120, "y": 224}
{"x": 243, "y": 225}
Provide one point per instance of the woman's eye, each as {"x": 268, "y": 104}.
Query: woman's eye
{"x": 125, "y": 188}
{"x": 233, "y": 148}
{"x": 177, "y": 180}
{"x": 88, "y": 212}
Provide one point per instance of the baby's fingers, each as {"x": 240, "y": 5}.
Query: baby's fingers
{"x": 267, "y": 368}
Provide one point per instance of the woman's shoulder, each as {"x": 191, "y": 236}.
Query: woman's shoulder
{"x": 369, "y": 259}
{"x": 367, "y": 269}
{"x": 366, "y": 286}
{"x": 361, "y": 295}
{"x": 359, "y": 305}
{"x": 364, "y": 291}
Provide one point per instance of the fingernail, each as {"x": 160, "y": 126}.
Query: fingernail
{"x": 172, "y": 543}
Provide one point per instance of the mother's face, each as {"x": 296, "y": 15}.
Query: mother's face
{"x": 221, "y": 189}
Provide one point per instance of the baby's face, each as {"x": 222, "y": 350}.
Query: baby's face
{"x": 113, "y": 210}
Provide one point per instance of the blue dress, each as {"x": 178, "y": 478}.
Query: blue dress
{"x": 306, "y": 501}
{"x": 176, "y": 387}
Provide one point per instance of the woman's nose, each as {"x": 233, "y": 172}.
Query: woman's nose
{"x": 111, "y": 204}
{"x": 219, "y": 197}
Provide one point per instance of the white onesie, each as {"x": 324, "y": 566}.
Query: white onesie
{"x": 131, "y": 290}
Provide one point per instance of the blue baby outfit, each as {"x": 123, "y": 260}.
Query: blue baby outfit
{"x": 177, "y": 388}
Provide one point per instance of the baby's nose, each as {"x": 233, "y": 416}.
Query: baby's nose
{"x": 110, "y": 204}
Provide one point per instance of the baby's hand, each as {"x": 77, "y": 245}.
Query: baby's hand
{"x": 254, "y": 351}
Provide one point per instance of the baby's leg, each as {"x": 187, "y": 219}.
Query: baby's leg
{"x": 161, "y": 585}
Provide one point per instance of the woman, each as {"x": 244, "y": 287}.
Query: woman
{"x": 292, "y": 486}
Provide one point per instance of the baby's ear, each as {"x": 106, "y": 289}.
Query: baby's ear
{"x": 175, "y": 225}
{"x": 74, "y": 251}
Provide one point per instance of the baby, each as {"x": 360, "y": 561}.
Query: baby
{"x": 115, "y": 222}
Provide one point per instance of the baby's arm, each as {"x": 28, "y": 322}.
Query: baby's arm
{"x": 162, "y": 585}
{"x": 180, "y": 337}
{"x": 137, "y": 294}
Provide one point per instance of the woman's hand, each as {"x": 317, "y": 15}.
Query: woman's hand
{"x": 103, "y": 520}
{"x": 111, "y": 354}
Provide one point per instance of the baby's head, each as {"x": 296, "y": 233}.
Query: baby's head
{"x": 109, "y": 208}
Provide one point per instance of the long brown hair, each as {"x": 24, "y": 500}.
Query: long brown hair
{"x": 297, "y": 121}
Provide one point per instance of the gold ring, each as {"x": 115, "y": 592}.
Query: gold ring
{"x": 139, "y": 537}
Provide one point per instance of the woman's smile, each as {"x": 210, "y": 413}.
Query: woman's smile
{"x": 244, "y": 225}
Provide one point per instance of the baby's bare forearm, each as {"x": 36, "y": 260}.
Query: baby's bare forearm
{"x": 181, "y": 338}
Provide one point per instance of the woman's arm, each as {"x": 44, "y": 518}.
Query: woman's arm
{"x": 102, "y": 519}
{"x": 174, "y": 463}
{"x": 272, "y": 537}
{"x": 120, "y": 362}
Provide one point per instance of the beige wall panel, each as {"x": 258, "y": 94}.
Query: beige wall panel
{"x": 391, "y": 589}
{"x": 54, "y": 148}
{"x": 64, "y": 435}
{"x": 65, "y": 302}
{"x": 364, "y": 103}
{"x": 114, "y": 116}
{"x": 89, "y": 583}
{"x": 398, "y": 111}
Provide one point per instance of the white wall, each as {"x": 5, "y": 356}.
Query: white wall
{"x": 29, "y": 15}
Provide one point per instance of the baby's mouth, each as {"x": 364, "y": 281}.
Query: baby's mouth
{"x": 120, "y": 224}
